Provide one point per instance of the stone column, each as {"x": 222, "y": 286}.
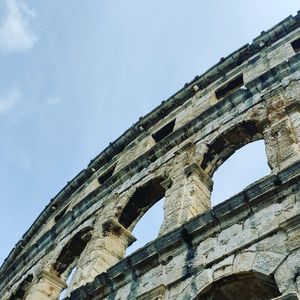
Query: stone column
{"x": 198, "y": 188}
{"x": 287, "y": 275}
{"x": 49, "y": 286}
{"x": 282, "y": 135}
{"x": 107, "y": 246}
{"x": 292, "y": 106}
{"x": 292, "y": 229}
{"x": 282, "y": 147}
{"x": 189, "y": 194}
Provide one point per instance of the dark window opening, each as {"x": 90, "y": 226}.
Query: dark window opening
{"x": 21, "y": 292}
{"x": 72, "y": 250}
{"x": 230, "y": 87}
{"x": 164, "y": 131}
{"x": 60, "y": 214}
{"x": 227, "y": 143}
{"x": 141, "y": 201}
{"x": 106, "y": 175}
{"x": 296, "y": 45}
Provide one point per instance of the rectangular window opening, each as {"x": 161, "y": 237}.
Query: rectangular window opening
{"x": 230, "y": 87}
{"x": 296, "y": 45}
{"x": 106, "y": 175}
{"x": 164, "y": 131}
{"x": 60, "y": 214}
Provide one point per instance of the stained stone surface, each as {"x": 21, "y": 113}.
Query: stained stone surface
{"x": 247, "y": 247}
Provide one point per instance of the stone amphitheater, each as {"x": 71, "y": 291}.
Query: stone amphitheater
{"x": 246, "y": 248}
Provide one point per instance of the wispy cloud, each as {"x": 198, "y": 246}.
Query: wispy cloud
{"x": 15, "y": 32}
{"x": 9, "y": 101}
{"x": 54, "y": 100}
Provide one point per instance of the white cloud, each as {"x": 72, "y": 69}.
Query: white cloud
{"x": 15, "y": 33}
{"x": 9, "y": 102}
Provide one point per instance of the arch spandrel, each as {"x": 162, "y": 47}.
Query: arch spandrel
{"x": 243, "y": 286}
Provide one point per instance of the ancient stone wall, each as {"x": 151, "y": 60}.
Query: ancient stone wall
{"x": 249, "y": 243}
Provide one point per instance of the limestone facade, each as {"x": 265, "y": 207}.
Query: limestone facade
{"x": 247, "y": 247}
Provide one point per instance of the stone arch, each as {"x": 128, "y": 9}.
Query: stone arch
{"x": 72, "y": 251}
{"x": 250, "y": 285}
{"x": 51, "y": 280}
{"x": 230, "y": 178}
{"x": 238, "y": 271}
{"x": 22, "y": 290}
{"x": 142, "y": 199}
{"x": 225, "y": 144}
{"x": 287, "y": 275}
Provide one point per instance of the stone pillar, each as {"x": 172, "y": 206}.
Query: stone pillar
{"x": 48, "y": 287}
{"x": 282, "y": 147}
{"x": 197, "y": 192}
{"x": 287, "y": 275}
{"x": 293, "y": 113}
{"x": 189, "y": 194}
{"x": 292, "y": 106}
{"x": 292, "y": 229}
{"x": 282, "y": 135}
{"x": 107, "y": 246}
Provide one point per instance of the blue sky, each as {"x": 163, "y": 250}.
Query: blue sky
{"x": 76, "y": 74}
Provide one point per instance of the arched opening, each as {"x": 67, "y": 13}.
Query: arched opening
{"x": 65, "y": 265}
{"x": 64, "y": 293}
{"x": 228, "y": 142}
{"x": 244, "y": 286}
{"x": 22, "y": 290}
{"x": 148, "y": 227}
{"x": 247, "y": 165}
{"x": 244, "y": 167}
{"x": 143, "y": 198}
{"x": 72, "y": 251}
{"x": 143, "y": 214}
